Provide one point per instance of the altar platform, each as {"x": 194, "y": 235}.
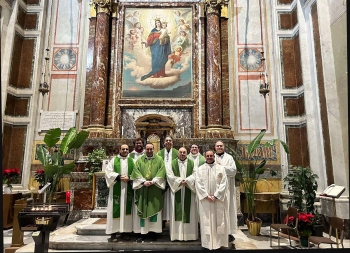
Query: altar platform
{"x": 88, "y": 235}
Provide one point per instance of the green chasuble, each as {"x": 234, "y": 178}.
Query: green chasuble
{"x": 117, "y": 188}
{"x": 174, "y": 153}
{"x": 185, "y": 217}
{"x": 149, "y": 200}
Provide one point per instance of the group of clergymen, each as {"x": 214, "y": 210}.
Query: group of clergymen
{"x": 147, "y": 189}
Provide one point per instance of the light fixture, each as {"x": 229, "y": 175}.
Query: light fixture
{"x": 264, "y": 85}
{"x": 44, "y": 86}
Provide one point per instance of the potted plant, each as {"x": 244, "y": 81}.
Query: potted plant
{"x": 95, "y": 160}
{"x": 52, "y": 157}
{"x": 9, "y": 177}
{"x": 302, "y": 187}
{"x": 248, "y": 174}
{"x": 305, "y": 222}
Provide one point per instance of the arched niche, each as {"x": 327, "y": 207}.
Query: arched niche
{"x": 154, "y": 124}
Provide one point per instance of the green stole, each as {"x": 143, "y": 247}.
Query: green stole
{"x": 187, "y": 201}
{"x": 201, "y": 160}
{"x": 174, "y": 153}
{"x": 117, "y": 189}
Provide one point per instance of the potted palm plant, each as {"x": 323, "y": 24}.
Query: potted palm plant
{"x": 248, "y": 174}
{"x": 52, "y": 157}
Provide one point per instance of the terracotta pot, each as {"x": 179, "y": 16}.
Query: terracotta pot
{"x": 254, "y": 226}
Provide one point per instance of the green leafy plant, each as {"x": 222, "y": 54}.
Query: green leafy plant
{"x": 248, "y": 174}
{"x": 52, "y": 157}
{"x": 302, "y": 187}
{"x": 95, "y": 160}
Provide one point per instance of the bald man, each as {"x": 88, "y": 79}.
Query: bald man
{"x": 183, "y": 213}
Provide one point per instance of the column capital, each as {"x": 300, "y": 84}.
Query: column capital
{"x": 216, "y": 6}
{"x": 103, "y": 6}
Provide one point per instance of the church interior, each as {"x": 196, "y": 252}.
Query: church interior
{"x": 224, "y": 70}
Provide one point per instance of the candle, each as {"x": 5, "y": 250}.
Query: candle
{"x": 183, "y": 131}
{"x": 67, "y": 197}
{"x": 122, "y": 130}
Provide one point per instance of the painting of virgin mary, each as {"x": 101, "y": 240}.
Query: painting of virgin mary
{"x": 151, "y": 42}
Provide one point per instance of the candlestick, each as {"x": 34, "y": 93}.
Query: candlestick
{"x": 67, "y": 197}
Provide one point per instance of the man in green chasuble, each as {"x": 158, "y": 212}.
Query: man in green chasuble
{"x": 121, "y": 195}
{"x": 183, "y": 208}
{"x": 149, "y": 178}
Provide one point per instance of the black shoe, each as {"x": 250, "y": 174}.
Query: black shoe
{"x": 231, "y": 238}
{"x": 125, "y": 237}
{"x": 153, "y": 236}
{"x": 140, "y": 239}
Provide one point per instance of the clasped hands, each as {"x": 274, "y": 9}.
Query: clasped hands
{"x": 124, "y": 178}
{"x": 211, "y": 198}
{"x": 148, "y": 183}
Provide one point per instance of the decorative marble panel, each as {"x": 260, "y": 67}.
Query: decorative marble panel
{"x": 16, "y": 106}
{"x": 102, "y": 191}
{"x": 181, "y": 117}
{"x": 297, "y": 142}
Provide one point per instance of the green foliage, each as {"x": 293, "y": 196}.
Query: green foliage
{"x": 248, "y": 174}
{"x": 95, "y": 160}
{"x": 53, "y": 158}
{"x": 302, "y": 187}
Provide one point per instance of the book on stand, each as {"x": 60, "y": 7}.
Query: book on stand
{"x": 333, "y": 191}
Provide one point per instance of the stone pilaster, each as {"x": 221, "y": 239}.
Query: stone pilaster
{"x": 100, "y": 64}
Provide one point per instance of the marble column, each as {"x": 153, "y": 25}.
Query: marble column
{"x": 100, "y": 64}
{"x": 213, "y": 61}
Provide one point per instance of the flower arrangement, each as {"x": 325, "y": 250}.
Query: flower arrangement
{"x": 305, "y": 223}
{"x": 11, "y": 176}
{"x": 39, "y": 176}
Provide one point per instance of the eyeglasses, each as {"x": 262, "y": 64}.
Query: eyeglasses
{"x": 194, "y": 147}
{"x": 168, "y": 140}
{"x": 125, "y": 149}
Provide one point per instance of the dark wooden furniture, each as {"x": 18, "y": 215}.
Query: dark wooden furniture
{"x": 7, "y": 208}
{"x": 42, "y": 219}
{"x": 265, "y": 202}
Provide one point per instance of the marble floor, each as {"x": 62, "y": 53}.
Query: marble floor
{"x": 85, "y": 236}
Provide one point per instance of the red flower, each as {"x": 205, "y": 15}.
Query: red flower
{"x": 304, "y": 222}
{"x": 10, "y": 176}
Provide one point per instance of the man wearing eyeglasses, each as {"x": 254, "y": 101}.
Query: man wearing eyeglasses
{"x": 168, "y": 153}
{"x": 226, "y": 160}
{"x": 148, "y": 182}
{"x": 120, "y": 198}
{"x": 138, "y": 149}
{"x": 183, "y": 213}
{"x": 195, "y": 156}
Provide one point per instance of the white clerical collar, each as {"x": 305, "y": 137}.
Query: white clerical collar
{"x": 179, "y": 161}
{"x": 149, "y": 157}
{"x": 194, "y": 155}
{"x": 123, "y": 157}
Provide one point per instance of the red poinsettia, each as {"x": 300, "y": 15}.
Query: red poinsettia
{"x": 10, "y": 176}
{"x": 304, "y": 223}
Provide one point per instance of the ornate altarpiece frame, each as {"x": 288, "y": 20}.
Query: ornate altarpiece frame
{"x": 117, "y": 55}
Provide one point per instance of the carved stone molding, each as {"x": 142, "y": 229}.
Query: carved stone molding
{"x": 216, "y": 7}
{"x": 103, "y": 6}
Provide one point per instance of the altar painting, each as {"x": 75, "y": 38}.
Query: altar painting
{"x": 157, "y": 55}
